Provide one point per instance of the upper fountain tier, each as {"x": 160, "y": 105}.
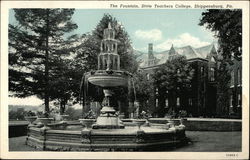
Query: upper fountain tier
{"x": 109, "y": 73}
{"x": 108, "y": 59}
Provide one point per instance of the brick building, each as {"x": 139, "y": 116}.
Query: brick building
{"x": 235, "y": 91}
{"x": 201, "y": 99}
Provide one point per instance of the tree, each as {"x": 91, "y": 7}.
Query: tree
{"x": 172, "y": 78}
{"x": 89, "y": 50}
{"x": 19, "y": 114}
{"x": 223, "y": 82}
{"x": 61, "y": 82}
{"x": 143, "y": 88}
{"x": 74, "y": 114}
{"x": 227, "y": 24}
{"x": 33, "y": 44}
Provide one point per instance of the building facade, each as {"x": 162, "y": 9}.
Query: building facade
{"x": 201, "y": 98}
{"x": 235, "y": 91}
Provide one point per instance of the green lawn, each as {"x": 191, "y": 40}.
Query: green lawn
{"x": 212, "y": 142}
{"x": 200, "y": 142}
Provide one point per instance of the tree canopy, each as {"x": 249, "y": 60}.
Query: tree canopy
{"x": 34, "y": 45}
{"x": 143, "y": 86}
{"x": 173, "y": 77}
{"x": 227, "y": 25}
{"x": 174, "y": 73}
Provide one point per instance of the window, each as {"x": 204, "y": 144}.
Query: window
{"x": 166, "y": 103}
{"x": 239, "y": 76}
{"x": 156, "y": 102}
{"x": 232, "y": 78}
{"x": 231, "y": 100}
{"x": 178, "y": 101}
{"x": 212, "y": 76}
{"x": 156, "y": 91}
{"x": 202, "y": 71}
{"x": 190, "y": 102}
{"x": 239, "y": 100}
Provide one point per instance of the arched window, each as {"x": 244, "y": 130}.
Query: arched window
{"x": 212, "y": 74}
{"x": 231, "y": 100}
{"x": 166, "y": 103}
{"x": 239, "y": 100}
{"x": 202, "y": 70}
{"x": 178, "y": 101}
{"x": 156, "y": 102}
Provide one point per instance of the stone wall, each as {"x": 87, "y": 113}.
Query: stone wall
{"x": 16, "y": 130}
{"x": 205, "y": 124}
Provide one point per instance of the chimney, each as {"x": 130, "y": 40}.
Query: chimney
{"x": 150, "y": 54}
{"x": 150, "y": 48}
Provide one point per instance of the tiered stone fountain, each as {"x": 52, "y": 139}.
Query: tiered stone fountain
{"x": 107, "y": 133}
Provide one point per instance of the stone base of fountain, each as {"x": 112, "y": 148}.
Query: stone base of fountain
{"x": 96, "y": 126}
{"x": 129, "y": 138}
{"x": 108, "y": 119}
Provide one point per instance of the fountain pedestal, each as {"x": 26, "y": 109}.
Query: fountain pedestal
{"x": 108, "y": 118}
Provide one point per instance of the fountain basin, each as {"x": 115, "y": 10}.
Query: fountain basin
{"x": 139, "y": 122}
{"x": 30, "y": 119}
{"x": 45, "y": 121}
{"x": 64, "y": 117}
{"x": 128, "y": 139}
{"x": 108, "y": 79}
{"x": 87, "y": 122}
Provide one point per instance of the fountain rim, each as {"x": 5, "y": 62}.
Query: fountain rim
{"x": 110, "y": 72}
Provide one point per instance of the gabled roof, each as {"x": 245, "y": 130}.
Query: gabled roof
{"x": 206, "y": 50}
{"x": 188, "y": 51}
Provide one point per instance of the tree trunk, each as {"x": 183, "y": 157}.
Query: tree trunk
{"x": 47, "y": 64}
{"x": 62, "y": 107}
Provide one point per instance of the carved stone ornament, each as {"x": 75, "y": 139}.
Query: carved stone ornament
{"x": 140, "y": 137}
{"x": 85, "y": 138}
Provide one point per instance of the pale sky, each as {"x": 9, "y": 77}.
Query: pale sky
{"x": 25, "y": 101}
{"x": 161, "y": 27}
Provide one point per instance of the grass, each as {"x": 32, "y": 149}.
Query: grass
{"x": 212, "y": 142}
